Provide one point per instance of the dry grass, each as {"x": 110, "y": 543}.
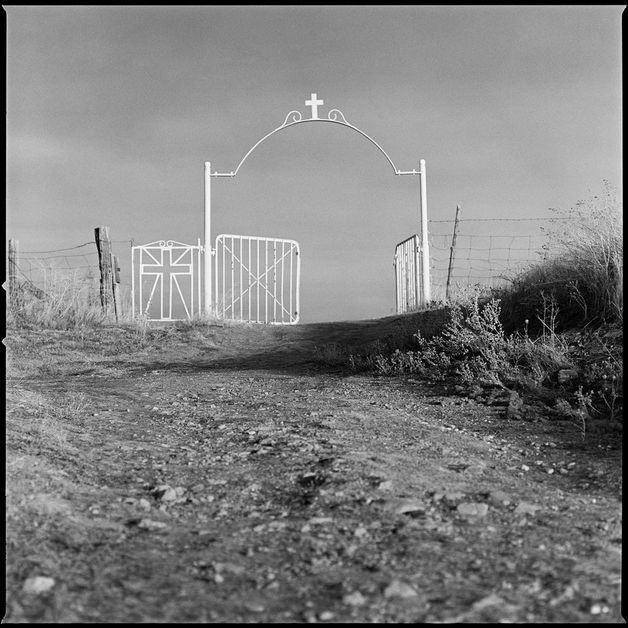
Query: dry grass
{"x": 65, "y": 302}
{"x": 582, "y": 272}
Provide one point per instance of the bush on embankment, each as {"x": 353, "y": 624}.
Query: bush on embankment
{"x": 555, "y": 336}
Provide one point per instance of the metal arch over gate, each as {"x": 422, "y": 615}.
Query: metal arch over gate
{"x": 293, "y": 118}
{"x": 233, "y": 298}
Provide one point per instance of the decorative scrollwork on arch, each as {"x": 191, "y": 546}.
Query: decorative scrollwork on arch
{"x": 296, "y": 117}
{"x": 334, "y": 114}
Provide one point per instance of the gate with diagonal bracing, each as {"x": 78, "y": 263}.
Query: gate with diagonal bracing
{"x": 408, "y": 274}
{"x": 257, "y": 279}
{"x": 166, "y": 280}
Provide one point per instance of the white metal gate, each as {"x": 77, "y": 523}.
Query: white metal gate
{"x": 257, "y": 279}
{"x": 408, "y": 275}
{"x": 166, "y": 280}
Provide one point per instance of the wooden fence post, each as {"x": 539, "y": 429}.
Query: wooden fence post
{"x": 117, "y": 305}
{"x": 452, "y": 253}
{"x": 103, "y": 244}
{"x": 12, "y": 288}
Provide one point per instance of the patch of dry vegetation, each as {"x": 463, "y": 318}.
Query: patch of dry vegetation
{"x": 564, "y": 322}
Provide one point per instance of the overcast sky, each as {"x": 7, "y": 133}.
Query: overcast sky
{"x": 112, "y": 112}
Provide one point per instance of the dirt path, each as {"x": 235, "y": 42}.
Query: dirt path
{"x": 189, "y": 484}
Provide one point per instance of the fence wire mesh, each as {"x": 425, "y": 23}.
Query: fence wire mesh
{"x": 488, "y": 252}
{"x": 72, "y": 269}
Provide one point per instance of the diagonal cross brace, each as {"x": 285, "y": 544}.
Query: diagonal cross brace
{"x": 257, "y": 279}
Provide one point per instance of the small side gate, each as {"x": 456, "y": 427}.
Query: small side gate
{"x": 257, "y": 279}
{"x": 408, "y": 275}
{"x": 166, "y": 280}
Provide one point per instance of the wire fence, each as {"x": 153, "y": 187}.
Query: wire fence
{"x": 489, "y": 252}
{"x": 43, "y": 273}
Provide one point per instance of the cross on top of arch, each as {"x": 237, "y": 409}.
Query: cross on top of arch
{"x": 314, "y": 103}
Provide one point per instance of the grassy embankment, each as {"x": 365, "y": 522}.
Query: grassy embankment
{"x": 553, "y": 337}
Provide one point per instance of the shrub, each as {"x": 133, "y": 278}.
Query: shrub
{"x": 582, "y": 269}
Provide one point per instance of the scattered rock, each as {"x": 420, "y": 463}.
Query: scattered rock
{"x": 515, "y": 406}
{"x": 489, "y": 600}
{"x": 387, "y": 485}
{"x": 38, "y": 584}
{"x": 399, "y": 589}
{"x": 472, "y": 509}
{"x": 149, "y": 524}
{"x": 354, "y": 599}
{"x": 499, "y": 498}
{"x": 410, "y": 506}
{"x": 453, "y": 496}
{"x": 360, "y": 532}
{"x": 254, "y": 607}
{"x": 525, "y": 508}
{"x": 144, "y": 504}
{"x": 564, "y": 375}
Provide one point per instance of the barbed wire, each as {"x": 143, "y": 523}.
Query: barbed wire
{"x": 557, "y": 219}
{"x": 71, "y": 248}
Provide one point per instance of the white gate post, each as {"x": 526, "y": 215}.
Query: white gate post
{"x": 207, "y": 251}
{"x": 425, "y": 259}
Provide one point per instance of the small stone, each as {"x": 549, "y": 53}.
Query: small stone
{"x": 471, "y": 509}
{"x": 525, "y": 467}
{"x": 525, "y": 508}
{"x": 144, "y": 504}
{"x": 550, "y": 471}
{"x": 326, "y": 616}
{"x": 488, "y": 601}
{"x": 149, "y": 524}
{"x": 453, "y": 496}
{"x": 408, "y": 507}
{"x": 360, "y": 532}
{"x": 399, "y": 589}
{"x": 564, "y": 375}
{"x": 596, "y": 609}
{"x": 38, "y": 584}
{"x": 500, "y": 498}
{"x": 165, "y": 493}
{"x": 254, "y": 607}
{"x": 515, "y": 405}
{"x": 354, "y": 599}
{"x": 386, "y": 485}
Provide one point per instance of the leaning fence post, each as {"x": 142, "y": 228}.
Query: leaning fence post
{"x": 103, "y": 244}
{"x": 12, "y": 268}
{"x": 115, "y": 276}
{"x": 452, "y": 251}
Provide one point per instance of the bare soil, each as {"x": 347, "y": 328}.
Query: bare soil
{"x": 230, "y": 474}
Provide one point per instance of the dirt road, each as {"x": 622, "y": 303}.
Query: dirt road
{"x": 221, "y": 475}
